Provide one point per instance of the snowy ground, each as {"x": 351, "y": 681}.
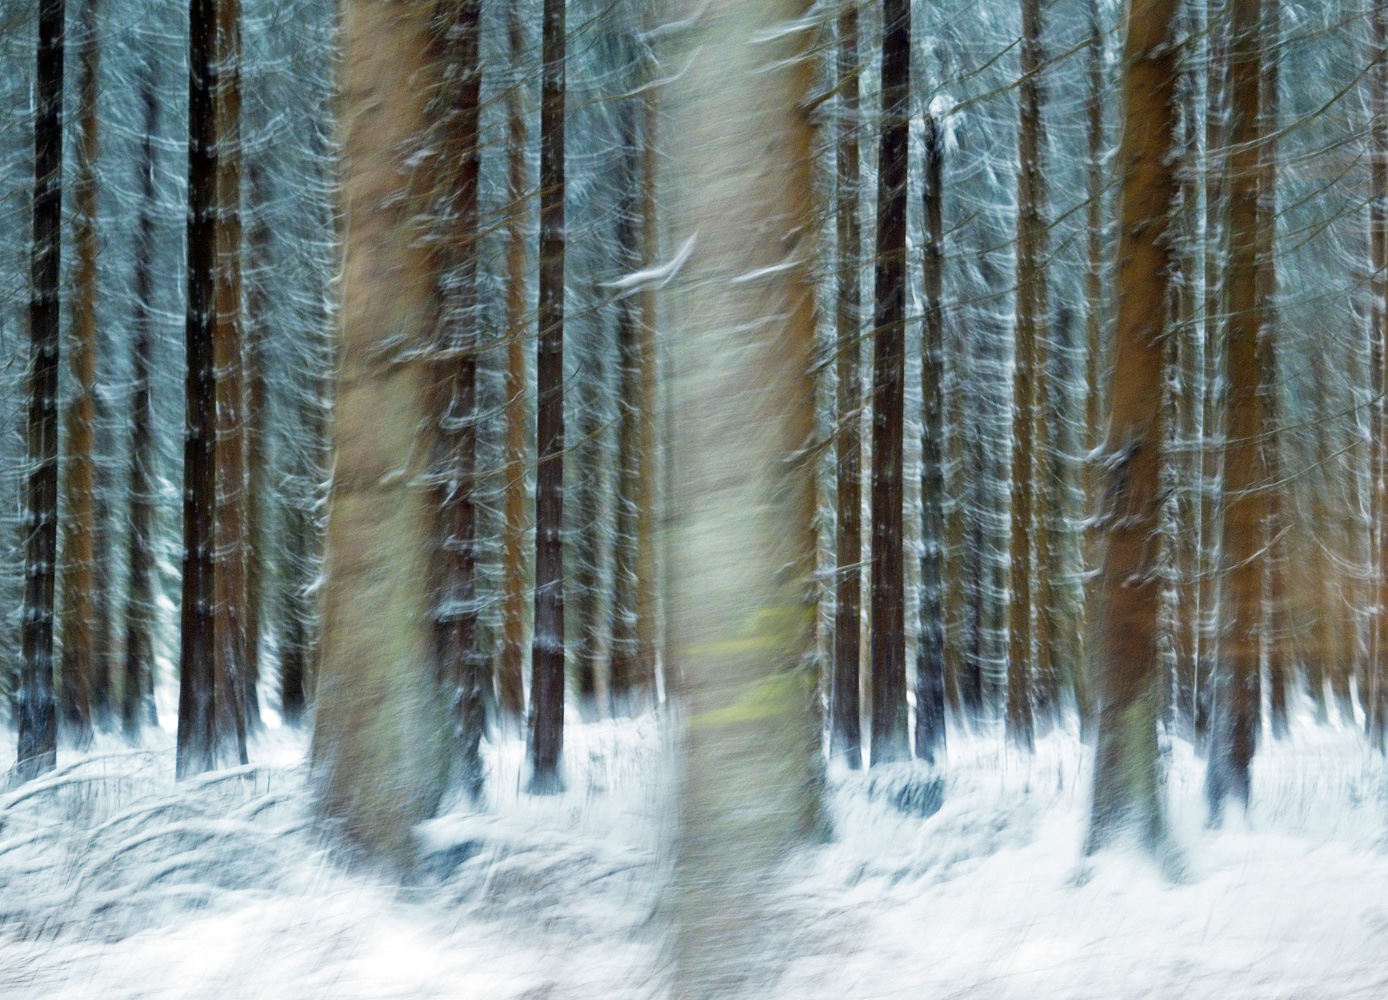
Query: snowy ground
{"x": 116, "y": 884}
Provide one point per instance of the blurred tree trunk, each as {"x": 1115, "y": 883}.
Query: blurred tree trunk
{"x": 1236, "y": 684}
{"x": 930, "y": 645}
{"x": 888, "y": 629}
{"x": 1378, "y": 333}
{"x": 510, "y": 684}
{"x": 211, "y": 705}
{"x": 845, "y": 730}
{"x": 461, "y": 661}
{"x": 380, "y": 753}
{"x": 80, "y": 579}
{"x": 647, "y": 580}
{"x": 38, "y": 717}
{"x": 1127, "y": 785}
{"x": 546, "y": 741}
{"x": 741, "y": 608}
{"x": 1023, "y": 668}
{"x": 137, "y": 688}
{"x": 258, "y": 335}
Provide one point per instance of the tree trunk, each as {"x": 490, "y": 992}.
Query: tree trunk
{"x": 79, "y": 474}
{"x": 647, "y": 579}
{"x": 38, "y": 717}
{"x": 1236, "y": 686}
{"x": 888, "y": 635}
{"x": 547, "y": 650}
{"x": 211, "y": 712}
{"x": 462, "y": 663}
{"x": 141, "y": 618}
{"x": 510, "y": 684}
{"x": 930, "y": 645}
{"x": 1378, "y": 257}
{"x": 257, "y": 399}
{"x": 380, "y": 753}
{"x": 845, "y": 737}
{"x": 741, "y": 608}
{"x": 1127, "y": 785}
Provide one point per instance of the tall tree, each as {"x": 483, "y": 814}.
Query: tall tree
{"x": 1378, "y": 317}
{"x": 1236, "y": 685}
{"x": 1032, "y": 323}
{"x": 38, "y": 717}
{"x": 510, "y": 686}
{"x": 1127, "y": 786}
{"x": 546, "y": 741}
{"x": 740, "y": 604}
{"x": 137, "y": 688}
{"x": 80, "y": 576}
{"x": 257, "y": 336}
{"x": 930, "y": 644}
{"x": 380, "y": 748}
{"x": 211, "y": 704}
{"x": 844, "y": 736}
{"x": 888, "y": 637}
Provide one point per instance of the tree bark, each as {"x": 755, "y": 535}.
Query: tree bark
{"x": 546, "y": 741}
{"x": 1127, "y": 786}
{"x": 888, "y": 630}
{"x": 1378, "y": 259}
{"x": 845, "y": 737}
{"x": 258, "y": 335}
{"x": 380, "y": 745}
{"x": 648, "y": 583}
{"x": 38, "y": 717}
{"x": 741, "y": 608}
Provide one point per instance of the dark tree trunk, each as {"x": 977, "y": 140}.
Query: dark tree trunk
{"x": 547, "y": 651}
{"x": 930, "y": 646}
{"x": 845, "y": 738}
{"x": 888, "y": 389}
{"x": 38, "y": 721}
{"x": 211, "y": 715}
{"x": 1127, "y": 785}
{"x": 258, "y": 335}
{"x": 137, "y": 703}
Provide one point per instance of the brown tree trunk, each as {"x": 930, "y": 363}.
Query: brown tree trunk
{"x": 647, "y": 581}
{"x": 1127, "y": 786}
{"x": 845, "y": 737}
{"x": 79, "y": 474}
{"x": 211, "y": 712}
{"x": 510, "y": 684}
{"x": 1378, "y": 256}
{"x": 462, "y": 663}
{"x": 744, "y": 546}
{"x": 1236, "y": 685}
{"x": 547, "y": 650}
{"x": 380, "y": 744}
{"x": 137, "y": 702}
{"x": 257, "y": 399}
{"x": 38, "y": 717}
{"x": 1032, "y": 321}
{"x": 930, "y": 645}
{"x": 888, "y": 635}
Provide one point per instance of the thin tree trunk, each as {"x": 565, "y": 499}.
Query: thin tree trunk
{"x": 510, "y": 684}
{"x": 744, "y": 546}
{"x": 845, "y": 737}
{"x": 648, "y": 583}
{"x": 380, "y": 744}
{"x": 79, "y": 473}
{"x": 547, "y": 650}
{"x": 930, "y": 646}
{"x": 1378, "y": 256}
{"x": 1127, "y": 785}
{"x": 1245, "y": 506}
{"x": 211, "y": 714}
{"x": 257, "y": 400}
{"x": 137, "y": 706}
{"x": 38, "y": 717}
{"x": 888, "y": 635}
{"x": 462, "y": 663}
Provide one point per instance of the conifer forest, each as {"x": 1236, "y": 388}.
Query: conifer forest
{"x": 694, "y": 499}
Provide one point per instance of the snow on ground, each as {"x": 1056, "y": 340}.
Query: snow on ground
{"x": 115, "y": 883}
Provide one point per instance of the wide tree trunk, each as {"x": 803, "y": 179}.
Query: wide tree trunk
{"x": 1127, "y": 784}
{"x": 741, "y": 597}
{"x": 211, "y": 704}
{"x": 38, "y": 716}
{"x": 80, "y": 578}
{"x": 845, "y": 738}
{"x": 546, "y": 742}
{"x": 380, "y": 747}
{"x": 888, "y": 635}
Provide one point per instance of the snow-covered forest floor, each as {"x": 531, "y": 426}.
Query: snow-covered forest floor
{"x": 115, "y": 883}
